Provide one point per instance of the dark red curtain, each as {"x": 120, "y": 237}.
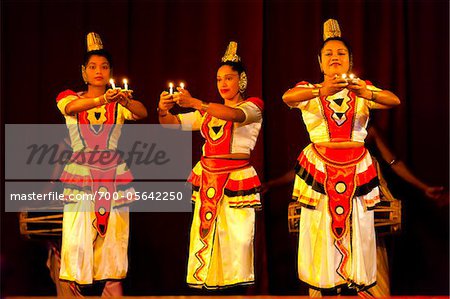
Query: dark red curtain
{"x": 398, "y": 45}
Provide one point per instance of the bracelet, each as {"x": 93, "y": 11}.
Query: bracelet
{"x": 159, "y": 112}
{"x": 374, "y": 95}
{"x": 316, "y": 92}
{"x": 204, "y": 107}
{"x": 105, "y": 100}
{"x": 394, "y": 161}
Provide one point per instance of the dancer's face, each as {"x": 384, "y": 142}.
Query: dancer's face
{"x": 335, "y": 58}
{"x": 98, "y": 70}
{"x": 227, "y": 82}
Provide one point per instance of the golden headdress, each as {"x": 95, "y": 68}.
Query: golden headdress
{"x": 230, "y": 53}
{"x": 331, "y": 29}
{"x": 94, "y": 42}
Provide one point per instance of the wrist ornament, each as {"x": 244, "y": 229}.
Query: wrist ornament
{"x": 204, "y": 106}
{"x": 316, "y": 92}
{"x": 374, "y": 95}
{"x": 393, "y": 162}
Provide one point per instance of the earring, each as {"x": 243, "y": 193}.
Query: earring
{"x": 84, "y": 75}
{"x": 243, "y": 82}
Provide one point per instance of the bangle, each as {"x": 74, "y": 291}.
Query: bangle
{"x": 204, "y": 106}
{"x": 316, "y": 92}
{"x": 374, "y": 95}
{"x": 394, "y": 161}
{"x": 105, "y": 100}
{"x": 159, "y": 112}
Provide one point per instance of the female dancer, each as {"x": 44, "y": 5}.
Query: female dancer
{"x": 95, "y": 232}
{"x": 225, "y": 186}
{"x": 336, "y": 181}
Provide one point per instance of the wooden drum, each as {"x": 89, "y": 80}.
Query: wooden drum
{"x": 388, "y": 216}
{"x": 36, "y": 224}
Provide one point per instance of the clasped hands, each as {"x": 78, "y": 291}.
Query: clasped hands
{"x": 338, "y": 83}
{"x": 181, "y": 97}
{"x": 118, "y": 95}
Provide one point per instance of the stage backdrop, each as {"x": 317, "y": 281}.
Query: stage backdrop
{"x": 398, "y": 45}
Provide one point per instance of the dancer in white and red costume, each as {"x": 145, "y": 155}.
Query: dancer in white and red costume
{"x": 225, "y": 186}
{"x": 95, "y": 233}
{"x": 336, "y": 181}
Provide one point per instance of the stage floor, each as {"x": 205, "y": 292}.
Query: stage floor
{"x": 232, "y": 297}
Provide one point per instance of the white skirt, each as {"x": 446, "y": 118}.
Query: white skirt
{"x": 324, "y": 262}
{"x": 225, "y": 257}
{"x": 85, "y": 255}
